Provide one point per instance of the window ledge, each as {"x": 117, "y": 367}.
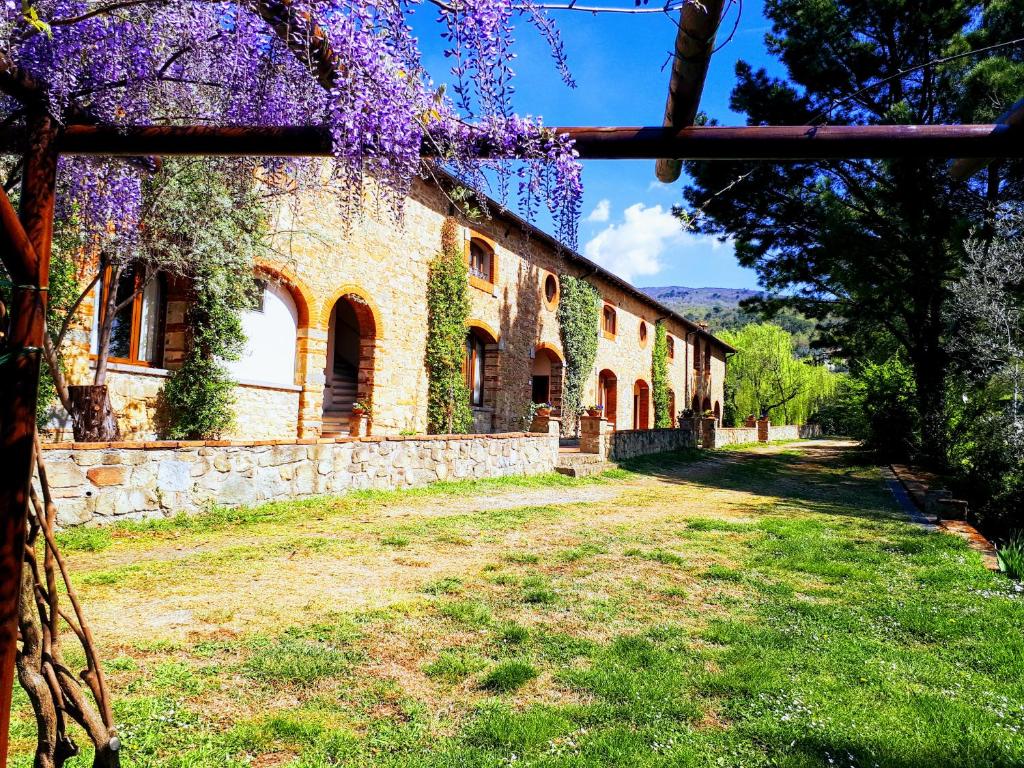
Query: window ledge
{"x": 607, "y": 335}
{"x": 484, "y": 285}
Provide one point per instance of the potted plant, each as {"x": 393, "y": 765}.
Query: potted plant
{"x": 542, "y": 409}
{"x": 594, "y": 411}
{"x": 360, "y": 408}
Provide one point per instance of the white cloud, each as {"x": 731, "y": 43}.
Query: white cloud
{"x": 637, "y": 246}
{"x": 602, "y": 211}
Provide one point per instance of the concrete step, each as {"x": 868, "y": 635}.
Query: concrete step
{"x": 582, "y": 464}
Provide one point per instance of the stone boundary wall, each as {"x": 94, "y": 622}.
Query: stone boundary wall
{"x": 784, "y": 432}
{"x": 733, "y": 436}
{"x": 626, "y": 444}
{"x": 100, "y": 483}
{"x": 810, "y": 431}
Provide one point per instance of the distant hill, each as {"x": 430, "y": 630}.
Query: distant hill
{"x": 681, "y": 296}
{"x": 719, "y": 308}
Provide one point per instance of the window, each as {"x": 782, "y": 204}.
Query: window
{"x": 473, "y": 368}
{"x": 670, "y": 347}
{"x": 643, "y": 334}
{"x": 481, "y": 261}
{"x": 707, "y": 356}
{"x": 136, "y": 330}
{"x": 696, "y": 354}
{"x": 551, "y": 291}
{"x": 541, "y": 389}
{"x": 608, "y": 322}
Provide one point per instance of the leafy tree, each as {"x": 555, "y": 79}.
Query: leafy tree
{"x": 200, "y": 218}
{"x": 659, "y": 378}
{"x": 872, "y": 244}
{"x": 579, "y": 318}
{"x": 987, "y": 390}
{"x": 769, "y": 378}
{"x": 448, "y": 410}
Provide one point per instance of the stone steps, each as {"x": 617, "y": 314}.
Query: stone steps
{"x": 582, "y": 464}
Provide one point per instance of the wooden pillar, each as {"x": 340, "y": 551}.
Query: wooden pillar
{"x": 27, "y": 258}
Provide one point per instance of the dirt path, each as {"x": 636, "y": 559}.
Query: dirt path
{"x": 247, "y": 579}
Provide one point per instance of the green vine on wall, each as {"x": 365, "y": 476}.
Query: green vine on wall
{"x": 579, "y": 316}
{"x": 448, "y": 410}
{"x": 659, "y": 378}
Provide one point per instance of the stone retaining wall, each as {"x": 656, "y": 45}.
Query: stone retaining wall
{"x": 733, "y": 436}
{"x": 784, "y": 432}
{"x": 626, "y": 444}
{"x": 99, "y": 483}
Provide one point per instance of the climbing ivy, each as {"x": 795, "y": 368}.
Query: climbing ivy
{"x": 659, "y": 377}
{"x": 579, "y": 316}
{"x": 448, "y": 410}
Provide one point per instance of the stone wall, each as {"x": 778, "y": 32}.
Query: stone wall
{"x": 733, "y": 436}
{"x": 626, "y": 444}
{"x": 784, "y": 432}
{"x": 100, "y": 483}
{"x": 810, "y": 431}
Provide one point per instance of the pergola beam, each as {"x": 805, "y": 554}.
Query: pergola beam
{"x": 780, "y": 143}
{"x": 967, "y": 166}
{"x": 695, "y": 42}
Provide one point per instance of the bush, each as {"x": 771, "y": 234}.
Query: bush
{"x": 198, "y": 398}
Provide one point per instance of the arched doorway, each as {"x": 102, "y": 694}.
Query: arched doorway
{"x": 718, "y": 413}
{"x": 351, "y": 341}
{"x": 271, "y": 329}
{"x": 607, "y": 386}
{"x": 641, "y": 405}
{"x": 546, "y": 377}
{"x": 695, "y": 405}
{"x": 705, "y": 406}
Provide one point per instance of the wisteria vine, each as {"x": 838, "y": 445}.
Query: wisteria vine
{"x": 353, "y": 66}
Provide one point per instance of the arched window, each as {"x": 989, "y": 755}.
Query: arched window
{"x": 670, "y": 347}
{"x": 137, "y": 327}
{"x": 643, "y": 334}
{"x": 270, "y": 329}
{"x": 696, "y": 354}
{"x": 481, "y": 260}
{"x": 473, "y": 367}
{"x": 608, "y": 321}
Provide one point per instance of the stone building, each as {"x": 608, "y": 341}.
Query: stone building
{"x": 343, "y": 319}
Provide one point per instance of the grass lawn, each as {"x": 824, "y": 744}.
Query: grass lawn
{"x": 763, "y": 607}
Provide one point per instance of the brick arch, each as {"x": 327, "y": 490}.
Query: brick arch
{"x": 367, "y": 318}
{"x": 641, "y": 405}
{"x": 366, "y": 308}
{"x": 299, "y": 291}
{"x": 556, "y": 376}
{"x": 555, "y": 352}
{"x": 490, "y": 335}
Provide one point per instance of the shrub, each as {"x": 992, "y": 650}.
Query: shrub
{"x": 659, "y": 377}
{"x": 1012, "y": 555}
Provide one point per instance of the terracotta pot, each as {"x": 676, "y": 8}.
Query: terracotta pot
{"x": 593, "y": 413}
{"x": 357, "y": 411}
{"x": 543, "y": 411}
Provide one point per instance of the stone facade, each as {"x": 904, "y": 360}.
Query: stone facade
{"x": 377, "y": 269}
{"x": 733, "y": 436}
{"x": 99, "y": 483}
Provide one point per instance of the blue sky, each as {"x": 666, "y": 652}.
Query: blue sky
{"x": 620, "y": 66}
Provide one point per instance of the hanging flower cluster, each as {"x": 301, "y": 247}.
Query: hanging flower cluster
{"x": 353, "y": 66}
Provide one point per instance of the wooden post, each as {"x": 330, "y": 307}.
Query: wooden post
{"x": 28, "y": 263}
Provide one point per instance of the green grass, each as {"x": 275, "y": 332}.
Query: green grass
{"x": 767, "y": 612}
{"x": 508, "y": 676}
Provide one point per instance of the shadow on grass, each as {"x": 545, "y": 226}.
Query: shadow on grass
{"x": 824, "y": 477}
